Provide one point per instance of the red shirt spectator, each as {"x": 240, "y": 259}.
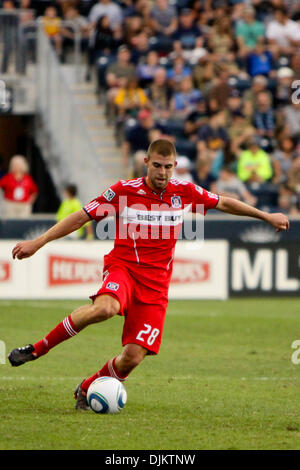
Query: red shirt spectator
{"x": 18, "y": 190}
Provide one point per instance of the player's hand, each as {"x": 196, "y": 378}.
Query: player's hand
{"x": 279, "y": 221}
{"x": 24, "y": 249}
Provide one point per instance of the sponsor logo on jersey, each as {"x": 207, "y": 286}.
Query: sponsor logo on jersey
{"x": 176, "y": 201}
{"x": 199, "y": 189}
{"x": 112, "y": 286}
{"x": 131, "y": 215}
{"x": 109, "y": 194}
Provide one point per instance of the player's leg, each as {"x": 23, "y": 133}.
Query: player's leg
{"x": 118, "y": 367}
{"x": 104, "y": 307}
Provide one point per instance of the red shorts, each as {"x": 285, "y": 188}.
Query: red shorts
{"x": 143, "y": 308}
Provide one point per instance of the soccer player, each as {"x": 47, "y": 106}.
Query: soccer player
{"x": 137, "y": 271}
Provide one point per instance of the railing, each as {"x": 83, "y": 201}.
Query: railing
{"x": 18, "y": 41}
{"x": 67, "y": 147}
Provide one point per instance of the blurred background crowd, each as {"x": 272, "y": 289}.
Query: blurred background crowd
{"x": 217, "y": 77}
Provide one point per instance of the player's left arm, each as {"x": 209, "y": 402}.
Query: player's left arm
{"x": 233, "y": 206}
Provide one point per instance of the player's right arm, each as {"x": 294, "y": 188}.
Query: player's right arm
{"x": 72, "y": 222}
{"x": 97, "y": 209}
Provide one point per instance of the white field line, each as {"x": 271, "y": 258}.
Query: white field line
{"x": 173, "y": 378}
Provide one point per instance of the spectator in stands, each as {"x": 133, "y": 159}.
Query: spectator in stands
{"x": 229, "y": 185}
{"x": 139, "y": 46}
{"x": 145, "y": 71}
{"x": 9, "y": 26}
{"x": 213, "y": 139}
{"x": 291, "y": 119}
{"x": 179, "y": 71}
{"x": 182, "y": 171}
{"x": 52, "y": 27}
{"x": 249, "y": 32}
{"x": 187, "y": 35}
{"x": 221, "y": 40}
{"x": 202, "y": 173}
{"x": 288, "y": 200}
{"x": 107, "y": 8}
{"x": 159, "y": 94}
{"x": 260, "y": 61}
{"x": 138, "y": 139}
{"x": 196, "y": 119}
{"x": 163, "y": 18}
{"x": 75, "y": 24}
{"x": 234, "y": 103}
{"x": 258, "y": 84}
{"x": 20, "y": 191}
{"x": 213, "y": 136}
{"x": 254, "y": 164}
{"x": 282, "y": 159}
{"x": 264, "y": 119}
{"x": 115, "y": 77}
{"x": 204, "y": 74}
{"x": 184, "y": 101}
{"x": 69, "y": 205}
{"x": 282, "y": 33}
{"x": 285, "y": 78}
{"x": 239, "y": 131}
{"x": 130, "y": 99}
{"x": 102, "y": 46}
{"x": 219, "y": 92}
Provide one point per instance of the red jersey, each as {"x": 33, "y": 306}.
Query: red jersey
{"x": 148, "y": 224}
{"x": 18, "y": 190}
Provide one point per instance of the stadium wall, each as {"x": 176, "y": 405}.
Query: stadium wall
{"x": 217, "y": 269}
{"x": 72, "y": 269}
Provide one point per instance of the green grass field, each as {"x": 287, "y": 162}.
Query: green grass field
{"x": 223, "y": 380}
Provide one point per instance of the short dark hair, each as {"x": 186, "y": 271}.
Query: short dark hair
{"x": 71, "y": 189}
{"x": 162, "y": 147}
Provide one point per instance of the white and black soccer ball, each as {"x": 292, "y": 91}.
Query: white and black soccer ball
{"x": 106, "y": 395}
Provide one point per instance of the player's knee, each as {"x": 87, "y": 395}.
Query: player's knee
{"x": 103, "y": 310}
{"x": 132, "y": 356}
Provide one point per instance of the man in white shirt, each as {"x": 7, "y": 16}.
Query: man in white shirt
{"x": 282, "y": 33}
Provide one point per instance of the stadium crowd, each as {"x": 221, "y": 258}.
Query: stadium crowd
{"x": 217, "y": 77}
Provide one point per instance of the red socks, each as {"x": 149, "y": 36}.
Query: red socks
{"x": 108, "y": 370}
{"x": 61, "y": 332}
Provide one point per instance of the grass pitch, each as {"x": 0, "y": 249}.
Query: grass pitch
{"x": 223, "y": 380}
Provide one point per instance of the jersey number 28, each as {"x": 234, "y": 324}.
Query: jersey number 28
{"x": 152, "y": 337}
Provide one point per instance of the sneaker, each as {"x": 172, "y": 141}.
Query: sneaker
{"x": 19, "y": 356}
{"x": 80, "y": 397}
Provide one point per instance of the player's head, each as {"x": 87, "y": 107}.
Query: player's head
{"x": 160, "y": 163}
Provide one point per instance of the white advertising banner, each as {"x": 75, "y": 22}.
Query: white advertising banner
{"x": 73, "y": 270}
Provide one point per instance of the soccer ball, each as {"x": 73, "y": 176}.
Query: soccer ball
{"x": 106, "y": 395}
